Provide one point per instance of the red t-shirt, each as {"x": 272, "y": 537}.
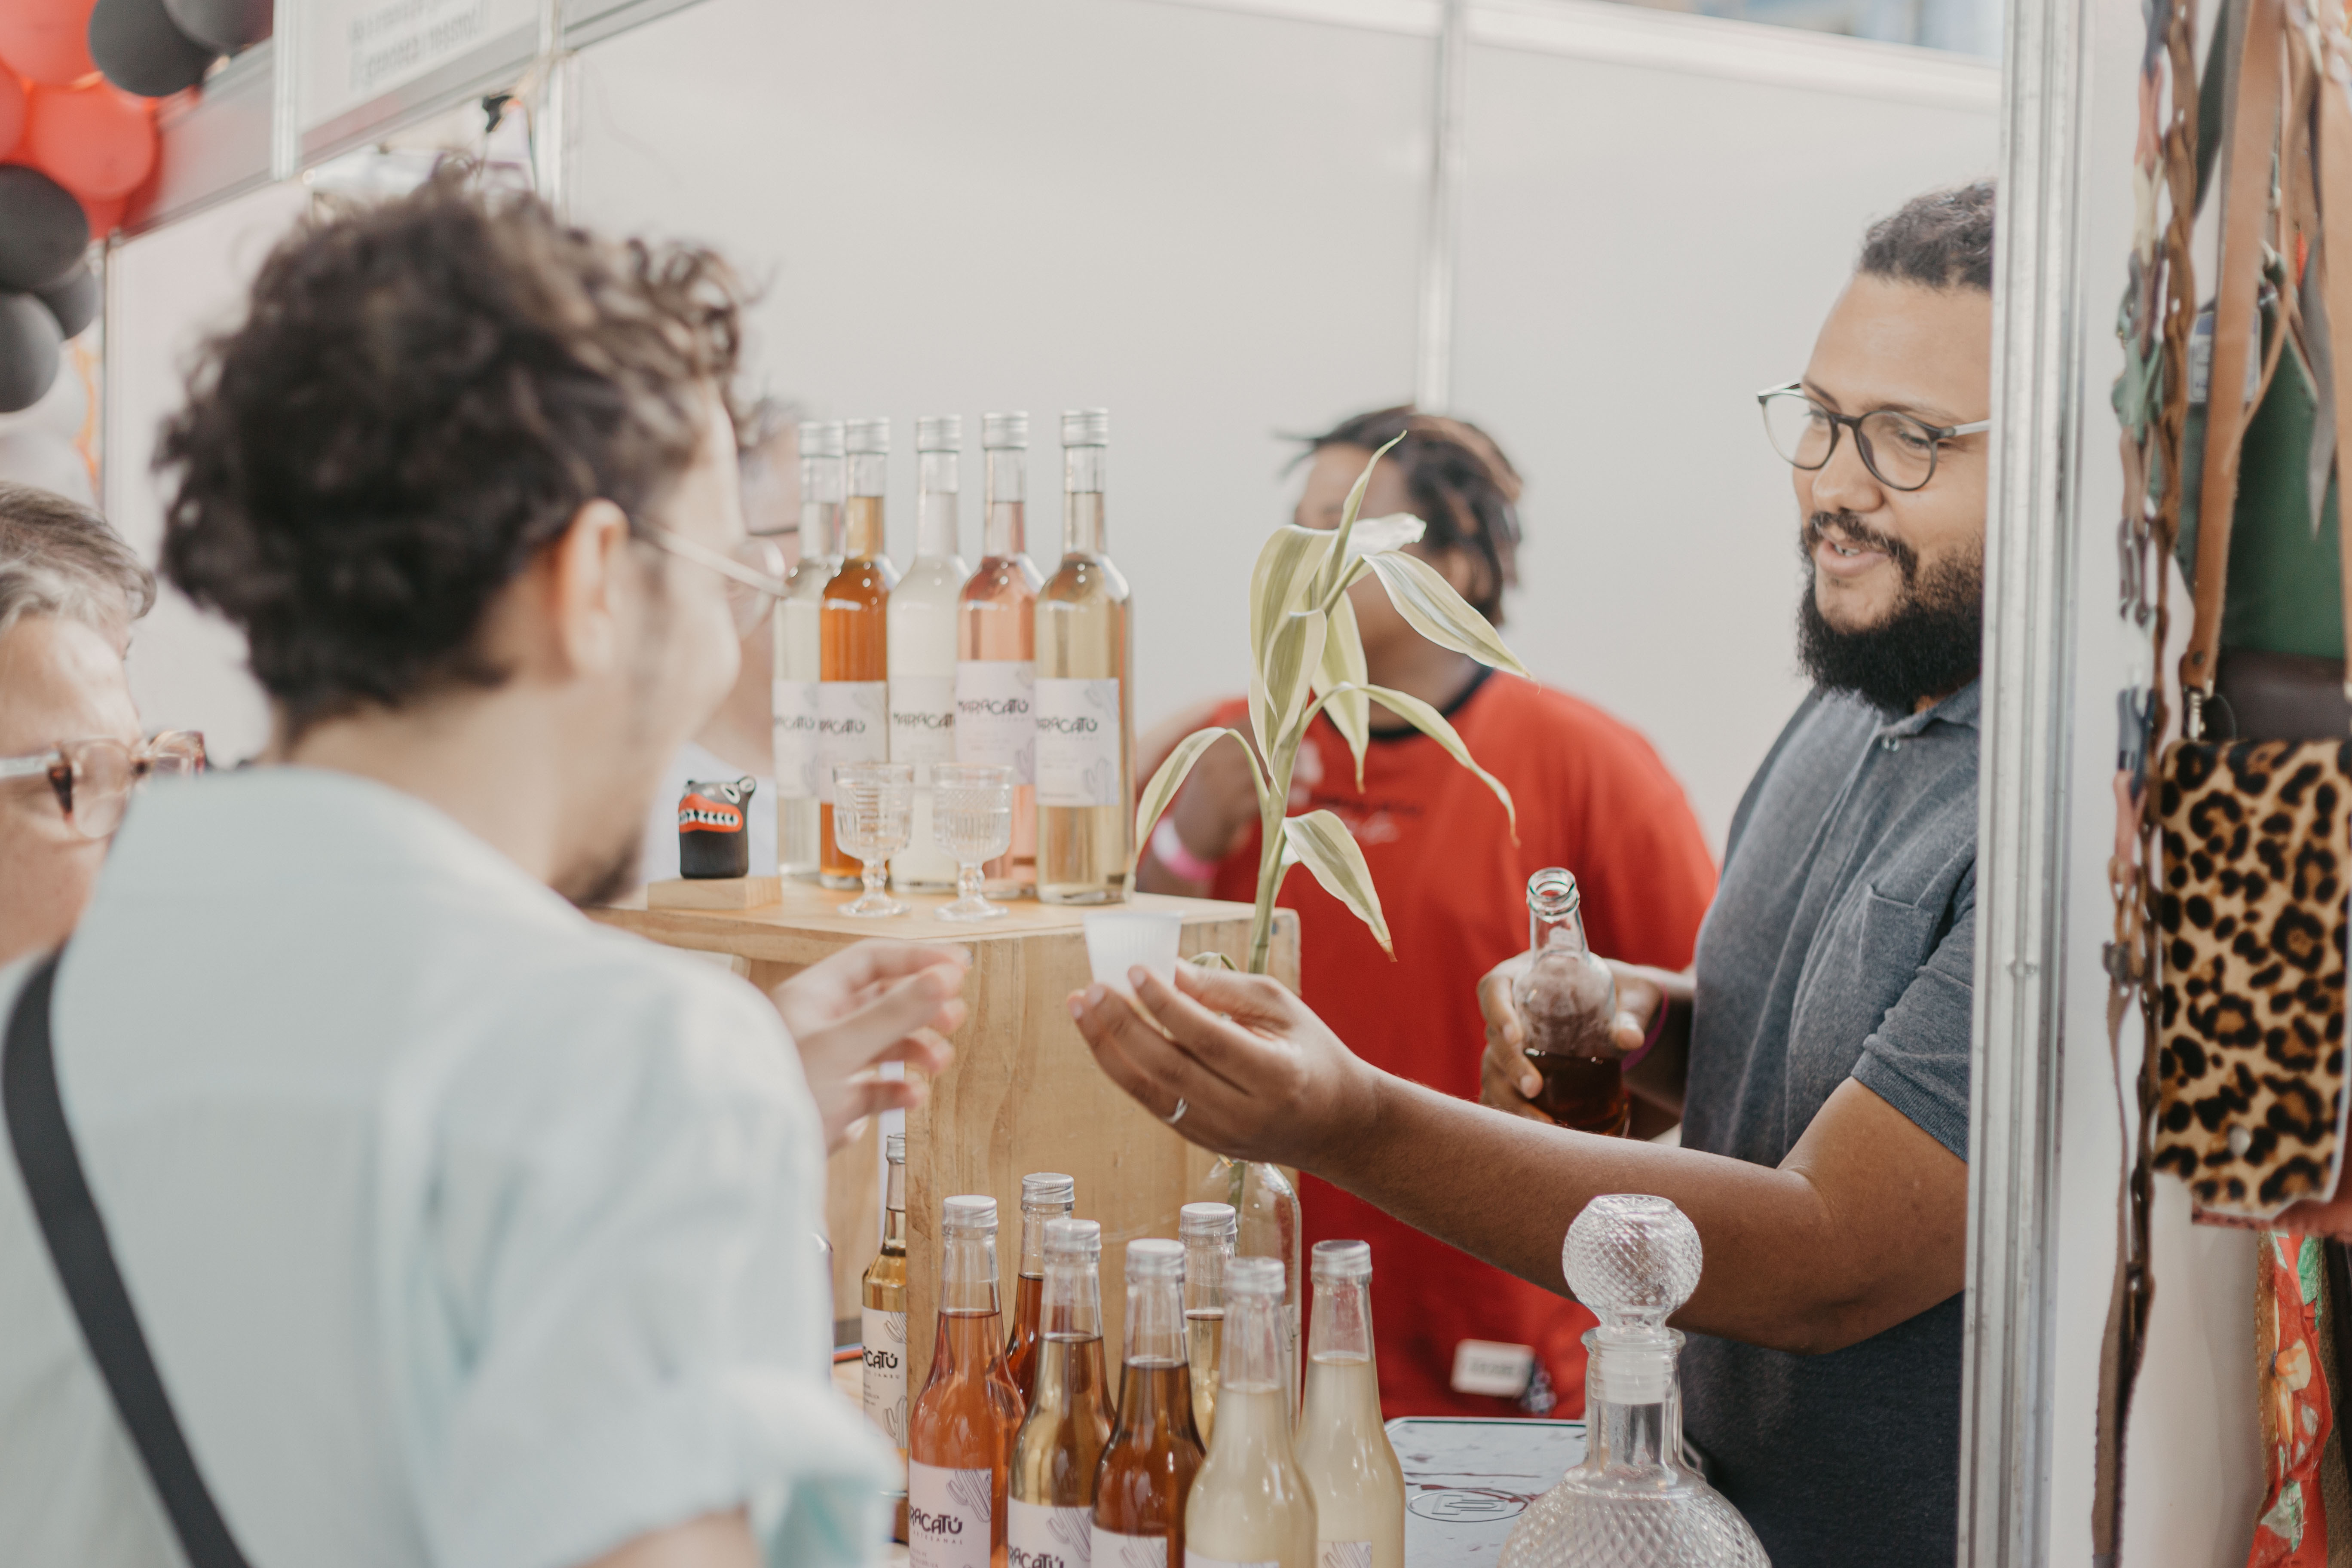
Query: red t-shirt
{"x": 1592, "y": 796}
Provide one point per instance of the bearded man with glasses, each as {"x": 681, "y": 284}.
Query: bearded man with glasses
{"x": 1817, "y": 1050}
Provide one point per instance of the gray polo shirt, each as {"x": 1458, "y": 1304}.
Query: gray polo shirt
{"x": 1841, "y": 945}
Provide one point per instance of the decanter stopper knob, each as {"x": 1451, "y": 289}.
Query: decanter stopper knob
{"x": 1633, "y": 1259}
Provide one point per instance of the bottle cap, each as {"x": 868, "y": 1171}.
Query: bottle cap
{"x": 821, "y": 438}
{"x": 1004, "y": 430}
{"x": 1074, "y": 1240}
{"x": 894, "y": 1148}
{"x": 1047, "y": 1189}
{"x": 869, "y": 436}
{"x": 1262, "y": 1277}
{"x": 939, "y": 433}
{"x": 1154, "y": 1258}
{"x": 1086, "y": 427}
{"x": 1204, "y": 1222}
{"x": 1342, "y": 1260}
{"x": 969, "y": 1215}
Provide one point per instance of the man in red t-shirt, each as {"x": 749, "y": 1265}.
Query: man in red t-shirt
{"x": 1591, "y": 796}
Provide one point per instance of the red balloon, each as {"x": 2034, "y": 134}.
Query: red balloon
{"x": 105, "y": 217}
{"x": 47, "y": 40}
{"x": 95, "y": 141}
{"x": 11, "y": 110}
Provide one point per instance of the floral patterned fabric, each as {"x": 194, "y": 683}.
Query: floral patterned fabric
{"x": 2292, "y": 1530}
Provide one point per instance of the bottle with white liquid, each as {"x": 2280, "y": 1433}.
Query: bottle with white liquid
{"x": 922, "y": 620}
{"x": 1343, "y": 1445}
{"x": 797, "y": 672}
{"x": 1251, "y": 1506}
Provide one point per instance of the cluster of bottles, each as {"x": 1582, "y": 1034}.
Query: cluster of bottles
{"x": 1018, "y": 1459}
{"x": 1000, "y": 665}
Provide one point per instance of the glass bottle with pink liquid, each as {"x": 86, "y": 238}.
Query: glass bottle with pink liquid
{"x": 960, "y": 1433}
{"x": 996, "y": 640}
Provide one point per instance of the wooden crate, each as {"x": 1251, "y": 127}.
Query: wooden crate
{"x": 1023, "y": 1095}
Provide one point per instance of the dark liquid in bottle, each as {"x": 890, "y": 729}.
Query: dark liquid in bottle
{"x": 1585, "y": 1093}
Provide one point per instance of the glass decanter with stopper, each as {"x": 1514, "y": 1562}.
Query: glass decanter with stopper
{"x": 1568, "y": 1003}
{"x": 1061, "y": 1441}
{"x": 1147, "y": 1465}
{"x": 960, "y": 1433}
{"x": 1046, "y": 1196}
{"x": 1251, "y": 1504}
{"x": 1207, "y": 1231}
{"x": 1267, "y": 1207}
{"x": 1633, "y": 1503}
{"x": 1342, "y": 1445}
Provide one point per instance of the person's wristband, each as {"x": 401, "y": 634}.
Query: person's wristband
{"x": 1167, "y": 848}
{"x": 1657, "y": 1027}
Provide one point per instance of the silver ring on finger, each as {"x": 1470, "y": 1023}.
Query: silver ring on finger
{"x": 1173, "y": 1116}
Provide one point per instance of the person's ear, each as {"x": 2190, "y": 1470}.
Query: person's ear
{"x": 582, "y": 575}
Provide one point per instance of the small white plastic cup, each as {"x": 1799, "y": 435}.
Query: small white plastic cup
{"x": 1119, "y": 940}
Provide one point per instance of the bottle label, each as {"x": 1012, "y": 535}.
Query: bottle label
{"x": 922, "y": 723}
{"x": 1078, "y": 733}
{"x": 1343, "y": 1554}
{"x": 1112, "y": 1550}
{"x": 1485, "y": 1366}
{"x": 795, "y": 705}
{"x": 1038, "y": 1536}
{"x": 853, "y": 725}
{"x": 885, "y": 1337}
{"x": 947, "y": 1517}
{"x": 996, "y": 715}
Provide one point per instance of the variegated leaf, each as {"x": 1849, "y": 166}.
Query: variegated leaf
{"x": 1393, "y": 532}
{"x": 1171, "y": 776}
{"x": 1343, "y": 671}
{"x": 1432, "y": 723}
{"x": 1324, "y": 579}
{"x": 1325, "y": 846}
{"x": 1210, "y": 958}
{"x": 1292, "y": 656}
{"x": 1429, "y": 602}
{"x": 1290, "y": 561}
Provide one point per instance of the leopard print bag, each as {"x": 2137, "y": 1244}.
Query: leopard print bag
{"x": 2250, "y": 1109}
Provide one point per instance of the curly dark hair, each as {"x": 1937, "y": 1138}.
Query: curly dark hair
{"x": 421, "y": 396}
{"x": 1943, "y": 239}
{"x": 1462, "y": 487}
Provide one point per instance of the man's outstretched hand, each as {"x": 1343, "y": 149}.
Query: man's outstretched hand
{"x": 1262, "y": 1077}
{"x": 872, "y": 1003}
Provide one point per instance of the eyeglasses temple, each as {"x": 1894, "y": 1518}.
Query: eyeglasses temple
{"x": 725, "y": 566}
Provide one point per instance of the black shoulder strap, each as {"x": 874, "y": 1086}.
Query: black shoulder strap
{"x": 85, "y": 1264}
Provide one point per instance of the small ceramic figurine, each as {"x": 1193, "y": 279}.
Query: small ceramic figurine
{"x": 711, "y": 838}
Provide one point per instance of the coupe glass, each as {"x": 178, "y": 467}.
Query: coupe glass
{"x": 971, "y": 818}
{"x": 873, "y": 816}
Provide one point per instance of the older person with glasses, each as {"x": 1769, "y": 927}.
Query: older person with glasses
{"x": 70, "y": 747}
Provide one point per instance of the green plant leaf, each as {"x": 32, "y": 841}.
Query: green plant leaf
{"x": 1171, "y": 776}
{"x": 1340, "y": 677}
{"x": 1330, "y": 573}
{"x": 1393, "y": 532}
{"x": 1292, "y": 656}
{"x": 1325, "y": 846}
{"x": 1287, "y": 564}
{"x": 1431, "y": 723}
{"x": 1429, "y": 602}
{"x": 1210, "y": 958}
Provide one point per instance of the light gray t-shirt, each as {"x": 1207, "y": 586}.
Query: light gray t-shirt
{"x": 1840, "y": 946}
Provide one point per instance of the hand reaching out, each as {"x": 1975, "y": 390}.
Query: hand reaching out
{"x": 872, "y": 1003}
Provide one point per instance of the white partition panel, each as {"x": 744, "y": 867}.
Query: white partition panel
{"x": 1642, "y": 248}
{"x": 1203, "y": 220}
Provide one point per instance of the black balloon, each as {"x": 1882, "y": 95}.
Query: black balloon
{"x": 29, "y": 349}
{"x": 73, "y": 302}
{"x": 42, "y": 230}
{"x": 227, "y": 25}
{"x": 142, "y": 50}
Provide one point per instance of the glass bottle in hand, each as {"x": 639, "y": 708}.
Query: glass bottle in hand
{"x": 1148, "y": 1467}
{"x": 1343, "y": 1447}
{"x": 1251, "y": 1504}
{"x": 1060, "y": 1445}
{"x": 1207, "y": 1231}
{"x": 1044, "y": 1196}
{"x": 960, "y": 1434}
{"x": 1568, "y": 1006}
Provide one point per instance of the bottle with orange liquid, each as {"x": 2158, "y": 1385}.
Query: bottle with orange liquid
{"x": 997, "y": 639}
{"x": 1044, "y": 1196}
{"x": 960, "y": 1434}
{"x": 1060, "y": 1445}
{"x": 1568, "y": 1000}
{"x": 1148, "y": 1468}
{"x": 853, "y": 694}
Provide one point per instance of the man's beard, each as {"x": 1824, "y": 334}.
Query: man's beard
{"x": 1930, "y": 645}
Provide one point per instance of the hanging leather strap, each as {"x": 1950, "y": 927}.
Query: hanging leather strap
{"x": 2252, "y": 143}
{"x": 2333, "y": 156}
{"x": 76, "y": 1234}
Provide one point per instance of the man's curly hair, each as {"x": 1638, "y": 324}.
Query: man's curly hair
{"x": 421, "y": 396}
{"x": 1942, "y": 239}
